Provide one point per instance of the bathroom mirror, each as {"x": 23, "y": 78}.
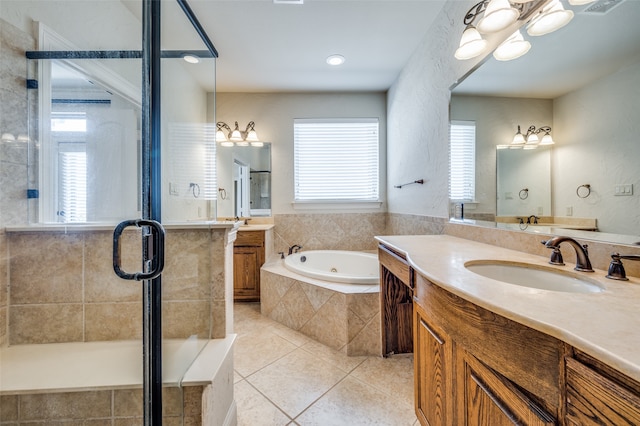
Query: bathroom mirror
{"x": 244, "y": 181}
{"x": 523, "y": 183}
{"x": 584, "y": 81}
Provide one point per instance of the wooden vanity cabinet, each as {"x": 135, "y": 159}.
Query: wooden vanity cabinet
{"x": 599, "y": 395}
{"x": 396, "y": 302}
{"x": 248, "y": 258}
{"x": 474, "y": 367}
{"x": 433, "y": 372}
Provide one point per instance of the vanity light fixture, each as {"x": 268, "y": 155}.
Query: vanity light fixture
{"x": 553, "y": 17}
{"x": 512, "y": 48}
{"x": 236, "y": 136}
{"x": 496, "y": 15}
{"x": 530, "y": 140}
{"x": 8, "y": 137}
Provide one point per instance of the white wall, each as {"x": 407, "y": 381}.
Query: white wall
{"x": 273, "y": 115}
{"x": 418, "y": 116}
{"x": 597, "y": 143}
{"x": 497, "y": 121}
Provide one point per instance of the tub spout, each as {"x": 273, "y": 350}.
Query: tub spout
{"x": 294, "y": 248}
{"x": 582, "y": 255}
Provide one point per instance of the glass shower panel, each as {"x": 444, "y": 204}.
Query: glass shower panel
{"x": 85, "y": 103}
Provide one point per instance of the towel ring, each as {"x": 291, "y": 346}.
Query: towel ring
{"x": 223, "y": 193}
{"x": 524, "y": 194}
{"x": 584, "y": 193}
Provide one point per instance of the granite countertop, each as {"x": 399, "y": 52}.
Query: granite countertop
{"x": 605, "y": 325}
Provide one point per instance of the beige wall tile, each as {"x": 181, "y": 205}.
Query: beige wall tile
{"x": 45, "y": 268}
{"x": 3, "y": 326}
{"x": 113, "y": 321}
{"x": 101, "y": 282}
{"x": 127, "y": 403}
{"x": 187, "y": 268}
{"x": 71, "y": 405}
{"x": 45, "y": 323}
{"x": 171, "y": 401}
{"x": 218, "y": 319}
{"x": 192, "y": 401}
{"x": 183, "y": 319}
{"x": 8, "y": 408}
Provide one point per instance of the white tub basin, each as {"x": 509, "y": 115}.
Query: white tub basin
{"x": 535, "y": 276}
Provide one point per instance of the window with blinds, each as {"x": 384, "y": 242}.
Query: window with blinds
{"x": 462, "y": 161}
{"x": 336, "y": 160}
{"x": 72, "y": 182}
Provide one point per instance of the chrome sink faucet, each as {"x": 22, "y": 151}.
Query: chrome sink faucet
{"x": 582, "y": 255}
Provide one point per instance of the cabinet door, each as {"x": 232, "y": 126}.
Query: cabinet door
{"x": 593, "y": 399}
{"x": 246, "y": 273}
{"x": 487, "y": 398}
{"x": 433, "y": 372}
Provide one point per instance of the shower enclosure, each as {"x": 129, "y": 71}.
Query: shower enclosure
{"x": 118, "y": 96}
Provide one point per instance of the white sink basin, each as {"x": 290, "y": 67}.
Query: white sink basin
{"x": 534, "y": 276}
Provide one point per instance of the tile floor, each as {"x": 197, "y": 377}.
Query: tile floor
{"x": 284, "y": 378}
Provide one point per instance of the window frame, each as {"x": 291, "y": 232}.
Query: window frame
{"x": 372, "y": 201}
{"x": 464, "y": 194}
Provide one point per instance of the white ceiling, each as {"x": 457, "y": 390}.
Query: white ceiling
{"x": 267, "y": 47}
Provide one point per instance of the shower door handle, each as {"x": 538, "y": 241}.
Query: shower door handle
{"x": 154, "y": 265}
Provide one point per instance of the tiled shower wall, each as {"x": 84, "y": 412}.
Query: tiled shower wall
{"x": 62, "y": 287}
{"x": 14, "y": 119}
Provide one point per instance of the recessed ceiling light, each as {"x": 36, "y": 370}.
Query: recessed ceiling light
{"x": 192, "y": 59}
{"x": 335, "y": 60}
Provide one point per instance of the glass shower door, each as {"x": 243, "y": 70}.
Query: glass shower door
{"x": 121, "y": 128}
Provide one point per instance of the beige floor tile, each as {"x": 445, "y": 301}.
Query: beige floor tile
{"x": 292, "y": 336}
{"x": 296, "y": 380}
{"x": 258, "y": 349}
{"x": 393, "y": 375}
{"x": 330, "y": 355}
{"x": 352, "y": 403}
{"x": 256, "y": 410}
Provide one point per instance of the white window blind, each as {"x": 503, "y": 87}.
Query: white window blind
{"x": 72, "y": 186}
{"x": 336, "y": 160}
{"x": 462, "y": 161}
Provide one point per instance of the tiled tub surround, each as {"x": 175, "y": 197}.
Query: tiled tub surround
{"x": 345, "y": 317}
{"x": 99, "y": 383}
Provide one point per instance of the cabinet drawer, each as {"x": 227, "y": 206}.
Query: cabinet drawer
{"x": 593, "y": 399}
{"x": 395, "y": 264}
{"x": 249, "y": 239}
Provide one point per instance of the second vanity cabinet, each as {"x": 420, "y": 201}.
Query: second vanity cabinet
{"x": 248, "y": 258}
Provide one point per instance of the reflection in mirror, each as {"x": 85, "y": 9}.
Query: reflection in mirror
{"x": 88, "y": 146}
{"x": 523, "y": 182}
{"x": 588, "y": 74}
{"x": 244, "y": 181}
